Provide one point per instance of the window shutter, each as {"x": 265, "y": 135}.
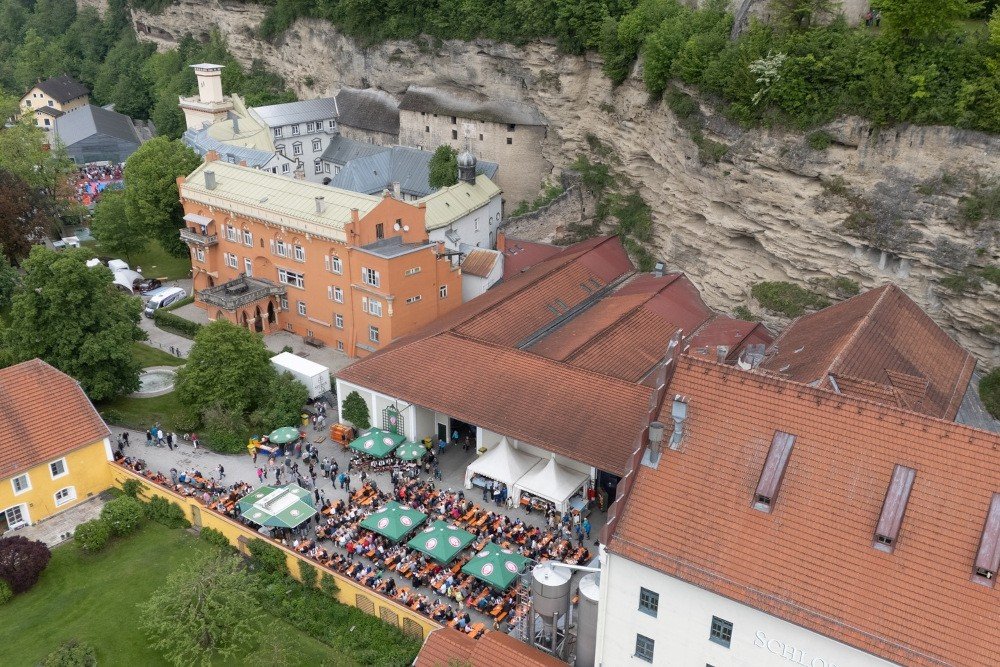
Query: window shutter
{"x": 272, "y": 246}
{"x": 326, "y": 262}
{"x": 329, "y": 292}
{"x": 364, "y": 303}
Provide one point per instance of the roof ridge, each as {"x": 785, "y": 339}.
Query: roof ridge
{"x": 951, "y": 427}
{"x": 864, "y": 322}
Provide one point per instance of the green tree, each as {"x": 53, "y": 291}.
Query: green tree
{"x": 112, "y": 226}
{"x": 25, "y": 217}
{"x": 70, "y": 316}
{"x": 578, "y": 24}
{"x": 37, "y": 58}
{"x": 151, "y": 189}
{"x": 989, "y": 391}
{"x": 443, "y": 167}
{"x": 9, "y": 280}
{"x": 994, "y": 27}
{"x": 23, "y": 152}
{"x": 228, "y": 366}
{"x": 205, "y": 612}
{"x": 923, "y": 19}
{"x": 802, "y": 14}
{"x": 355, "y": 410}
{"x": 284, "y": 398}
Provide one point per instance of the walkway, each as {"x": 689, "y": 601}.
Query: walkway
{"x": 59, "y": 528}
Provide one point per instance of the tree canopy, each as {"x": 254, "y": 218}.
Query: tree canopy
{"x": 443, "y": 167}
{"x": 118, "y": 233}
{"x": 355, "y": 410}
{"x": 22, "y": 562}
{"x": 205, "y": 612}
{"x": 25, "y": 216}
{"x": 71, "y": 316}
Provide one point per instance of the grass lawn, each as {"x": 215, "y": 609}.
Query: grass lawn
{"x": 154, "y": 260}
{"x": 150, "y": 356}
{"x": 93, "y": 598}
{"x": 141, "y": 413}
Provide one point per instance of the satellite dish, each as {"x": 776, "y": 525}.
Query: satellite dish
{"x": 406, "y": 228}
{"x": 396, "y": 226}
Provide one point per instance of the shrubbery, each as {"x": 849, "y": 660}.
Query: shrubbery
{"x": 175, "y": 323}
{"x": 267, "y": 557}
{"x": 989, "y": 392}
{"x": 22, "y": 562}
{"x": 786, "y": 298}
{"x": 92, "y": 536}
{"x": 215, "y": 537}
{"x": 123, "y": 515}
{"x": 164, "y": 512}
{"x": 72, "y": 653}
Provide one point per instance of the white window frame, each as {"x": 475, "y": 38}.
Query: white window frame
{"x": 310, "y": 127}
{"x": 279, "y": 248}
{"x": 443, "y": 291}
{"x": 286, "y": 277}
{"x": 27, "y": 479}
{"x": 331, "y": 124}
{"x": 373, "y": 333}
{"x": 283, "y": 302}
{"x": 277, "y": 132}
{"x": 297, "y": 148}
{"x": 199, "y": 254}
{"x": 317, "y": 166}
{"x": 65, "y": 468}
{"x": 338, "y": 320}
{"x": 370, "y": 277}
{"x": 412, "y": 272}
{"x": 317, "y": 145}
{"x": 375, "y": 307}
{"x": 248, "y": 266}
{"x": 299, "y": 253}
{"x": 414, "y": 299}
{"x": 301, "y": 306}
{"x": 70, "y": 496}
{"x": 284, "y": 168}
{"x": 338, "y": 294}
{"x": 22, "y": 509}
{"x": 340, "y": 346}
{"x": 232, "y": 234}
{"x": 231, "y": 260}
{"x": 248, "y": 238}
{"x": 295, "y": 130}
{"x": 336, "y": 265}
{"x": 326, "y": 170}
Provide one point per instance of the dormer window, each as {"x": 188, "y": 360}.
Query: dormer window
{"x": 988, "y": 557}
{"x": 774, "y": 471}
{"x": 893, "y": 508}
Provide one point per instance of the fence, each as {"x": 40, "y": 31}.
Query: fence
{"x": 350, "y": 592}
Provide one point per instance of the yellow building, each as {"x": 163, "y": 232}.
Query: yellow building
{"x": 54, "y": 447}
{"x": 51, "y": 98}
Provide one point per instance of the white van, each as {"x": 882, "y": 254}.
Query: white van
{"x": 168, "y": 296}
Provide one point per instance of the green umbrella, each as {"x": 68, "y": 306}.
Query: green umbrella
{"x": 411, "y": 451}
{"x": 495, "y": 565}
{"x": 393, "y": 521}
{"x": 282, "y": 506}
{"x": 441, "y": 541}
{"x": 377, "y": 443}
{"x": 284, "y": 435}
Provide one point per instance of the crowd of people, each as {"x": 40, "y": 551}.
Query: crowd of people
{"x": 93, "y": 179}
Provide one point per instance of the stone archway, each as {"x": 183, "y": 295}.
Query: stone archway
{"x": 258, "y": 321}
{"x": 272, "y": 317}
{"x": 219, "y": 315}
{"x": 243, "y": 320}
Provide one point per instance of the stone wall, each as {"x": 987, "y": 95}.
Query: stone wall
{"x": 546, "y": 224}
{"x": 771, "y": 209}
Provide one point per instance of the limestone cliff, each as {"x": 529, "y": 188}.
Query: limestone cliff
{"x": 771, "y": 209}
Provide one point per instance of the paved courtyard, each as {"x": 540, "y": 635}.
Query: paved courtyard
{"x": 60, "y": 527}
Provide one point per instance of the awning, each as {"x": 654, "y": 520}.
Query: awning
{"x": 285, "y": 507}
{"x": 502, "y": 463}
{"x": 553, "y": 482}
{"x": 441, "y": 541}
{"x": 377, "y": 443}
{"x": 197, "y": 219}
{"x": 393, "y": 521}
{"x": 495, "y": 565}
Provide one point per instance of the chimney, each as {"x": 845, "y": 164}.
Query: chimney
{"x": 396, "y": 190}
{"x": 210, "y": 180}
{"x": 658, "y": 269}
{"x": 211, "y": 156}
{"x": 320, "y": 204}
{"x": 678, "y": 412}
{"x": 501, "y": 241}
{"x": 722, "y": 351}
{"x": 652, "y": 456}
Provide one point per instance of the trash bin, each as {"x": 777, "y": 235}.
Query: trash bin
{"x": 305, "y": 419}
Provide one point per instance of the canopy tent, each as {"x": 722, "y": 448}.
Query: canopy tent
{"x": 441, "y": 541}
{"x": 125, "y": 279}
{"x": 283, "y": 506}
{"x": 502, "y": 463}
{"x": 393, "y": 521}
{"x": 553, "y": 482}
{"x": 377, "y": 443}
{"x": 495, "y": 565}
{"x": 411, "y": 451}
{"x": 284, "y": 435}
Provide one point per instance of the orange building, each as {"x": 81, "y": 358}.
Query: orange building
{"x": 352, "y": 271}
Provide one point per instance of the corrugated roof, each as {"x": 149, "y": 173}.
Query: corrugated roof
{"x": 447, "y": 205}
{"x": 89, "y": 120}
{"x": 811, "y": 560}
{"x": 480, "y": 262}
{"x": 467, "y": 105}
{"x": 303, "y": 111}
{"x": 882, "y": 337}
{"x": 293, "y": 200}
{"x": 62, "y": 88}
{"x": 368, "y": 109}
{"x": 342, "y": 150}
{"x": 44, "y": 414}
{"x": 202, "y": 142}
{"x": 446, "y": 647}
{"x": 410, "y": 167}
{"x": 49, "y": 111}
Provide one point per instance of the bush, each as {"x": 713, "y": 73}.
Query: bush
{"x": 123, "y": 515}
{"x": 164, "y": 512}
{"x": 267, "y": 557}
{"x": 72, "y": 653}
{"x": 743, "y": 313}
{"x": 355, "y": 411}
{"x": 308, "y": 574}
{"x": 6, "y": 595}
{"x": 92, "y": 536}
{"x": 786, "y": 298}
{"x": 175, "y": 323}
{"x": 132, "y": 488}
{"x": 215, "y": 537}
{"x": 329, "y": 585}
{"x": 819, "y": 140}
{"x": 22, "y": 562}
{"x": 960, "y": 282}
{"x": 180, "y": 304}
{"x": 989, "y": 392}
{"x": 991, "y": 273}
{"x": 840, "y": 287}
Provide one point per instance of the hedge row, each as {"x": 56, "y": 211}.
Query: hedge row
{"x": 175, "y": 323}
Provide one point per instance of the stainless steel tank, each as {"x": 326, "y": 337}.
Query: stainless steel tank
{"x": 586, "y": 620}
{"x": 550, "y": 586}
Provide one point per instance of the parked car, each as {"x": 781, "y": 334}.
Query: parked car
{"x": 146, "y": 285}
{"x": 164, "y": 297}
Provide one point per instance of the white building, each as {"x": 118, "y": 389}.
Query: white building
{"x": 481, "y": 269}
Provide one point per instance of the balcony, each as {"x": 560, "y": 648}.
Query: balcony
{"x": 197, "y": 238}
{"x": 240, "y": 292}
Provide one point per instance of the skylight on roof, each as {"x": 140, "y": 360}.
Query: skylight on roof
{"x": 773, "y": 473}
{"x": 988, "y": 556}
{"x": 893, "y": 508}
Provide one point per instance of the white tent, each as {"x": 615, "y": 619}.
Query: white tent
{"x": 502, "y": 463}
{"x": 125, "y": 279}
{"x": 551, "y": 481}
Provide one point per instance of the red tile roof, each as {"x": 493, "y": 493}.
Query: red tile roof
{"x": 731, "y": 333}
{"x": 447, "y": 647}
{"x": 575, "y": 413}
{"x": 480, "y": 262}
{"x": 519, "y": 256}
{"x": 811, "y": 560}
{"x": 43, "y": 415}
{"x": 881, "y": 337}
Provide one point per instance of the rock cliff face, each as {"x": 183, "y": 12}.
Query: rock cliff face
{"x": 771, "y": 209}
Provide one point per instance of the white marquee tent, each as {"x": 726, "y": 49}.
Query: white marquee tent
{"x": 502, "y": 463}
{"x": 551, "y": 481}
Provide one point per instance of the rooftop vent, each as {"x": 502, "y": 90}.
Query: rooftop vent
{"x": 320, "y": 204}
{"x": 721, "y": 352}
{"x": 210, "y": 179}
{"x": 774, "y": 471}
{"x": 586, "y": 288}
{"x": 678, "y": 412}
{"x": 651, "y": 457}
{"x": 893, "y": 507}
{"x": 988, "y": 556}
{"x": 658, "y": 269}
